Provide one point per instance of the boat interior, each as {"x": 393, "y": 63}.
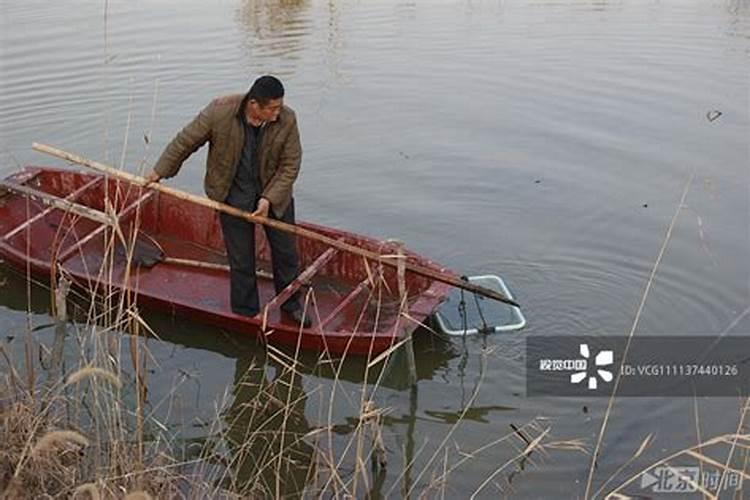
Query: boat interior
{"x": 171, "y": 249}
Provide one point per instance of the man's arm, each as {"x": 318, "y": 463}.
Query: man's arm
{"x": 280, "y": 185}
{"x": 186, "y": 142}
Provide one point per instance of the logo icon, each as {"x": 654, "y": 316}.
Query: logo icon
{"x": 603, "y": 358}
{"x": 687, "y": 479}
{"x": 671, "y": 479}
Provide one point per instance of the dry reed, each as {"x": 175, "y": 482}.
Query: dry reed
{"x": 260, "y": 441}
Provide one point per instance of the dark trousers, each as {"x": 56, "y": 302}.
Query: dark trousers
{"x": 239, "y": 238}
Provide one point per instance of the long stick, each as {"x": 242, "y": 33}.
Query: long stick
{"x": 289, "y": 228}
{"x": 210, "y": 265}
{"x": 61, "y": 203}
{"x": 90, "y": 213}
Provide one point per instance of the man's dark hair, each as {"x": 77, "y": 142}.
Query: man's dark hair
{"x": 265, "y": 89}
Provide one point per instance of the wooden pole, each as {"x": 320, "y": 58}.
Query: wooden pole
{"x": 210, "y": 265}
{"x": 61, "y": 203}
{"x": 102, "y": 218}
{"x": 61, "y": 326}
{"x": 402, "y": 292}
{"x": 281, "y": 226}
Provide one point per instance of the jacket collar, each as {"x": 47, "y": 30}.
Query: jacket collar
{"x": 240, "y": 112}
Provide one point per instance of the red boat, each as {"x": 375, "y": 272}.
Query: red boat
{"x": 55, "y": 220}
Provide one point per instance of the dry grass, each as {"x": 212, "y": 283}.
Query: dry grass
{"x": 93, "y": 432}
{"x": 24, "y": 473}
{"x": 90, "y": 431}
{"x": 729, "y": 453}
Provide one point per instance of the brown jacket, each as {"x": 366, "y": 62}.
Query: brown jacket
{"x": 279, "y": 151}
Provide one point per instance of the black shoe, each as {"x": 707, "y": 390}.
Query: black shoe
{"x": 296, "y": 316}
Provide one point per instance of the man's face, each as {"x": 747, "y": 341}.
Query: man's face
{"x": 269, "y": 112}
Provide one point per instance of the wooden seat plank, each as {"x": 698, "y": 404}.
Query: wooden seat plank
{"x": 301, "y": 279}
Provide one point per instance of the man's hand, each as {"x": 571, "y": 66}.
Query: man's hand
{"x": 263, "y": 206}
{"x": 152, "y": 177}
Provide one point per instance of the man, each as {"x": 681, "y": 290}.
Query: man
{"x": 253, "y": 160}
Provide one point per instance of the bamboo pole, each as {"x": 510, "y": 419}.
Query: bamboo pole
{"x": 61, "y": 203}
{"x": 210, "y": 265}
{"x": 102, "y": 218}
{"x": 61, "y": 325}
{"x": 402, "y": 292}
{"x": 70, "y": 198}
{"x": 197, "y": 263}
{"x": 433, "y": 274}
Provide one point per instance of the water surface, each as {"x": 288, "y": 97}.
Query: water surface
{"x": 547, "y": 141}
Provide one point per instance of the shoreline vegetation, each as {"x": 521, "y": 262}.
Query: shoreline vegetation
{"x": 77, "y": 421}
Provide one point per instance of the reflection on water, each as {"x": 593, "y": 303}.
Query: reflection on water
{"x": 273, "y": 432}
{"x": 547, "y": 141}
{"x": 275, "y": 28}
{"x": 266, "y": 430}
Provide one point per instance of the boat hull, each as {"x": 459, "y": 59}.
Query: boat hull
{"x": 354, "y": 304}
